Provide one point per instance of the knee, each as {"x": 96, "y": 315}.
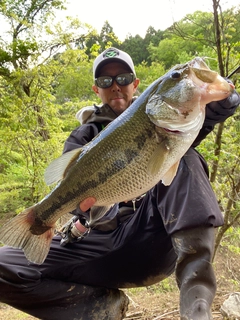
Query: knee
{"x": 15, "y": 270}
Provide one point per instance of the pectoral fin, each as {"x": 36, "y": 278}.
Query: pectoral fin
{"x": 58, "y": 168}
{"x": 171, "y": 173}
{"x": 158, "y": 158}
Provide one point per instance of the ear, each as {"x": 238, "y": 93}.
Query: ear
{"x": 135, "y": 84}
{"x": 95, "y": 89}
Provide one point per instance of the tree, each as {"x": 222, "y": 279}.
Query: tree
{"x": 166, "y": 52}
{"x": 212, "y": 35}
{"x": 224, "y": 31}
{"x": 30, "y": 123}
{"x": 223, "y": 34}
{"x": 20, "y": 17}
{"x": 137, "y": 47}
{"x": 148, "y": 74}
{"x": 74, "y": 82}
{"x": 227, "y": 183}
{"x": 153, "y": 36}
{"x": 107, "y": 37}
{"x": 195, "y": 30}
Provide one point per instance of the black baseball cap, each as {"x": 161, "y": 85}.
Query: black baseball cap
{"x": 112, "y": 55}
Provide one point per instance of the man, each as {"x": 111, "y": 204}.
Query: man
{"x": 137, "y": 243}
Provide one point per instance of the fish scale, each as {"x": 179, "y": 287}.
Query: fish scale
{"x": 134, "y": 152}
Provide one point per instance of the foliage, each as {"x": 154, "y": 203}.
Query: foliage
{"x": 171, "y": 46}
{"x": 46, "y": 77}
{"x": 94, "y": 43}
{"x": 27, "y": 103}
{"x": 231, "y": 239}
{"x": 73, "y": 81}
{"x": 148, "y": 74}
{"x": 134, "y": 46}
{"x": 227, "y": 183}
{"x": 137, "y": 47}
{"x": 26, "y": 129}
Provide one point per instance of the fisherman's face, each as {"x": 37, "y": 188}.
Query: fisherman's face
{"x": 117, "y": 97}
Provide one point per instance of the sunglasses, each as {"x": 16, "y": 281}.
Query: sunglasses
{"x": 122, "y": 79}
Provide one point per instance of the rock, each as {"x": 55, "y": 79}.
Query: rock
{"x": 230, "y": 308}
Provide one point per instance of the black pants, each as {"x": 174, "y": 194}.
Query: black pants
{"x": 76, "y": 276}
{"x": 138, "y": 252}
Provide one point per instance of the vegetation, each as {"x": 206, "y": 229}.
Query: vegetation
{"x": 46, "y": 77}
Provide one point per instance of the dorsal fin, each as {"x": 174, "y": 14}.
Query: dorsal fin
{"x": 58, "y": 168}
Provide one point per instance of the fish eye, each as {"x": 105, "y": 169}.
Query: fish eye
{"x": 176, "y": 75}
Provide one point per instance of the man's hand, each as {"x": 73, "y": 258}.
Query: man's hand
{"x": 74, "y": 230}
{"x": 84, "y": 206}
{"x": 87, "y": 203}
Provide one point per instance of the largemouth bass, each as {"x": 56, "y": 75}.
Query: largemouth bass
{"x": 134, "y": 152}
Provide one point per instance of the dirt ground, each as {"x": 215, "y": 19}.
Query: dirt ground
{"x": 160, "y": 302}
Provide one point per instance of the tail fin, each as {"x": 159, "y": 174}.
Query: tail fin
{"x": 17, "y": 234}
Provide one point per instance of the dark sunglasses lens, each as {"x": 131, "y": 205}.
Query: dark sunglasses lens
{"x": 124, "y": 79}
{"x": 104, "y": 82}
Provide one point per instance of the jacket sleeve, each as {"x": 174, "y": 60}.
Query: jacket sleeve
{"x": 217, "y": 112}
{"x": 80, "y": 136}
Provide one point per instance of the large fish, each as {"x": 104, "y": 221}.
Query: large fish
{"x": 138, "y": 149}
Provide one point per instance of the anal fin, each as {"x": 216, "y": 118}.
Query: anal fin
{"x": 97, "y": 213}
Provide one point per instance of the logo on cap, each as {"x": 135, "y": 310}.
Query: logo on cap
{"x": 111, "y": 53}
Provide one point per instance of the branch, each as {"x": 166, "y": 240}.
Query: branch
{"x": 166, "y": 314}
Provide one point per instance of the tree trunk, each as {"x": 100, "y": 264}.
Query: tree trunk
{"x": 229, "y": 218}
{"x": 217, "y": 151}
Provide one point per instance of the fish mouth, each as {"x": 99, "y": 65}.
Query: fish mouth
{"x": 181, "y": 128}
{"x": 172, "y": 131}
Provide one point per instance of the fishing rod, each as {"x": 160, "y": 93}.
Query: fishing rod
{"x": 231, "y": 74}
{"x": 234, "y": 71}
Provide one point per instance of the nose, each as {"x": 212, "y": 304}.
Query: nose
{"x": 115, "y": 86}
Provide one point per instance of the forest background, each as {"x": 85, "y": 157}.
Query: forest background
{"x": 46, "y": 77}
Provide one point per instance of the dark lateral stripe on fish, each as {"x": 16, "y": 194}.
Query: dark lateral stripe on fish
{"x": 141, "y": 138}
{"x": 109, "y": 171}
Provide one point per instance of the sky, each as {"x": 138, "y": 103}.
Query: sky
{"x": 128, "y": 17}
